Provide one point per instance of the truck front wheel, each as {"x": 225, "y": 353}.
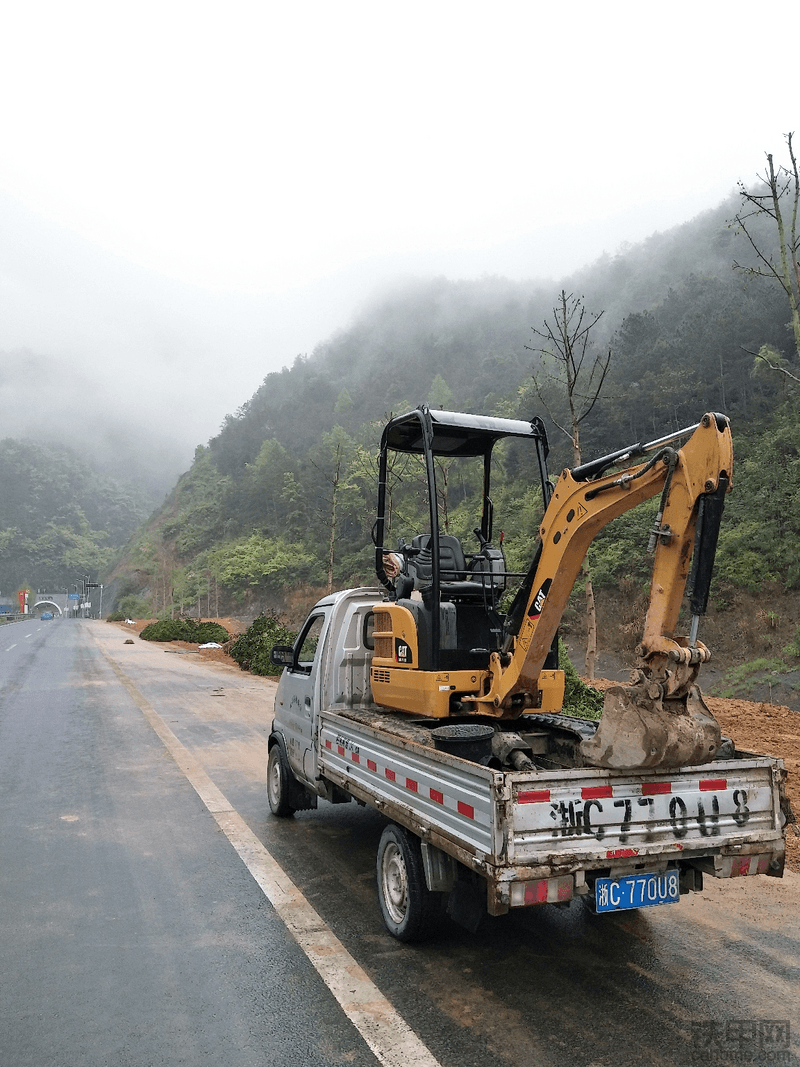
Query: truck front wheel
{"x": 279, "y": 783}
{"x": 408, "y": 907}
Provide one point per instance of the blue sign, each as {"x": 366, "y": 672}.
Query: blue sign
{"x": 73, "y": 596}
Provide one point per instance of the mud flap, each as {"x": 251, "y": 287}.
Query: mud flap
{"x": 638, "y": 730}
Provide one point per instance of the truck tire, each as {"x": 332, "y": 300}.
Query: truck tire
{"x": 279, "y": 783}
{"x": 409, "y": 908}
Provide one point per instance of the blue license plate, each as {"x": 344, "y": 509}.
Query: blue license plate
{"x": 636, "y": 891}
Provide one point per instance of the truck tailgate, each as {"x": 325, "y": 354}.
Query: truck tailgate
{"x": 613, "y": 815}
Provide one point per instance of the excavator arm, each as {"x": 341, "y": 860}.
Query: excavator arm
{"x": 692, "y": 481}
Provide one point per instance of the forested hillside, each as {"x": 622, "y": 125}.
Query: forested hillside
{"x": 283, "y": 499}
{"x": 60, "y": 518}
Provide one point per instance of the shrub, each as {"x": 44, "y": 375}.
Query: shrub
{"x": 793, "y": 648}
{"x": 252, "y": 649}
{"x": 132, "y": 607}
{"x": 185, "y": 630}
{"x": 580, "y": 700}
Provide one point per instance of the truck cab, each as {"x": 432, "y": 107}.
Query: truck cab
{"x": 327, "y": 667}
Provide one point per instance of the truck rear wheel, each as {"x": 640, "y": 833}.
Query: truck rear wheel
{"x": 408, "y": 907}
{"x": 279, "y": 783}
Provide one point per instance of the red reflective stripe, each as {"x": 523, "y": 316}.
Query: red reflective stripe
{"x": 621, "y": 853}
{"x": 390, "y": 775}
{"x": 411, "y": 784}
{"x": 437, "y": 796}
{"x": 466, "y": 809}
{"x": 536, "y": 892}
{"x": 340, "y": 749}
{"x": 712, "y": 785}
{"x": 596, "y": 792}
{"x": 650, "y": 789}
{"x": 328, "y": 744}
{"x": 356, "y": 758}
{"x": 373, "y": 766}
{"x": 533, "y": 796}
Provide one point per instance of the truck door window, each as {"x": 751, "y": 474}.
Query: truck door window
{"x": 369, "y": 629}
{"x": 307, "y": 642}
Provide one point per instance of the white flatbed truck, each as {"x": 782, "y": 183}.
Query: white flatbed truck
{"x": 516, "y": 819}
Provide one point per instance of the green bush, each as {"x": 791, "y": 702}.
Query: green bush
{"x": 116, "y": 616}
{"x": 256, "y": 560}
{"x": 793, "y": 648}
{"x": 251, "y": 650}
{"x": 132, "y": 607}
{"x": 580, "y": 700}
{"x": 185, "y": 630}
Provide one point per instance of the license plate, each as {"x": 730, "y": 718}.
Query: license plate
{"x": 636, "y": 891}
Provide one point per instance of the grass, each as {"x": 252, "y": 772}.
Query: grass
{"x": 738, "y": 681}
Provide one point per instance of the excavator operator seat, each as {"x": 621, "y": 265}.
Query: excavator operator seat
{"x": 457, "y": 581}
{"x": 452, "y": 563}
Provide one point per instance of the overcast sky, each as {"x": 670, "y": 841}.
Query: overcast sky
{"x": 191, "y": 194}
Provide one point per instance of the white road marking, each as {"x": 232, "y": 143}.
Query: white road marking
{"x": 11, "y": 646}
{"x": 386, "y": 1033}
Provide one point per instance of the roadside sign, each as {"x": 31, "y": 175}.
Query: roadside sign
{"x": 73, "y": 596}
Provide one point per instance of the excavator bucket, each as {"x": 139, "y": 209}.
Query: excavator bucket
{"x": 639, "y": 729}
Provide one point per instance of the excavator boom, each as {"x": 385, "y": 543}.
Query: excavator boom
{"x": 661, "y": 718}
{"x": 580, "y": 508}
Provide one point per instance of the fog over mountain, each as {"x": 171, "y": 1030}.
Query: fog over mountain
{"x": 131, "y": 368}
{"x": 192, "y": 197}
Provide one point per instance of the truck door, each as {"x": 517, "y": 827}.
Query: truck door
{"x": 299, "y": 693}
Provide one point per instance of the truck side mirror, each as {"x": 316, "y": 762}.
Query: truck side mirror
{"x": 282, "y": 655}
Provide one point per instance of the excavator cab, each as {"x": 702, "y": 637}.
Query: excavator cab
{"x": 442, "y": 620}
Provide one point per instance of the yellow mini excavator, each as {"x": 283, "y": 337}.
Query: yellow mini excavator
{"x": 443, "y": 648}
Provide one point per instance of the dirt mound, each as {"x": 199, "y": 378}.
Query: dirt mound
{"x": 773, "y": 730}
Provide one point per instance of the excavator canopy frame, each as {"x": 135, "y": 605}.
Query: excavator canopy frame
{"x": 436, "y": 433}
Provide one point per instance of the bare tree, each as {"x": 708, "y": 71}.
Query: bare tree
{"x": 573, "y": 363}
{"x": 777, "y": 198}
{"x": 335, "y": 452}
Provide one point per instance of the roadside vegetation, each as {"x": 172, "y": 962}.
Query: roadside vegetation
{"x": 252, "y": 649}
{"x": 196, "y": 633}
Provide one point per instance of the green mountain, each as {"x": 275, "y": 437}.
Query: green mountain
{"x": 60, "y": 518}
{"x": 281, "y": 503}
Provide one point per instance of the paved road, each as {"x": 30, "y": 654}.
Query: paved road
{"x": 131, "y": 934}
{"x": 136, "y": 935}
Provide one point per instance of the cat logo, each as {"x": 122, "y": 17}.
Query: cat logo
{"x": 402, "y": 652}
{"x": 539, "y": 599}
